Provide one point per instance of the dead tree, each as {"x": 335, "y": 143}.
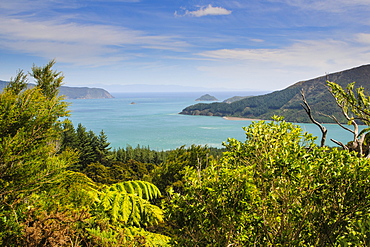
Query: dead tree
{"x": 358, "y": 139}
{"x": 307, "y": 108}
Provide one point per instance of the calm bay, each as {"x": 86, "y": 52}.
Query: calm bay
{"x": 152, "y": 119}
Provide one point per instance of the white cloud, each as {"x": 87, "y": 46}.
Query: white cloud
{"x": 35, "y": 6}
{"x": 257, "y": 40}
{"x": 208, "y": 10}
{"x": 277, "y": 68}
{"x": 313, "y": 53}
{"x": 326, "y": 5}
{"x": 77, "y": 43}
{"x": 363, "y": 38}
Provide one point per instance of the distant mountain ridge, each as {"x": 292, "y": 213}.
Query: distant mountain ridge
{"x": 287, "y": 102}
{"x": 75, "y": 92}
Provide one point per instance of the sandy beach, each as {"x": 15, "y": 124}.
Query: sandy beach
{"x": 240, "y": 118}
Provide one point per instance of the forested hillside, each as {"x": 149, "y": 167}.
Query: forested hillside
{"x": 74, "y": 92}
{"x": 287, "y": 102}
{"x": 62, "y": 185}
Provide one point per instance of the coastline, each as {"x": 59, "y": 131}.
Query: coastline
{"x": 240, "y": 119}
{"x": 256, "y": 119}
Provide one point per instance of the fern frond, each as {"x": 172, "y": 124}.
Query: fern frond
{"x": 143, "y": 189}
{"x": 127, "y": 202}
{"x": 126, "y": 208}
{"x": 115, "y": 201}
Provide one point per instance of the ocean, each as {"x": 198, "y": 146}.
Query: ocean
{"x": 152, "y": 120}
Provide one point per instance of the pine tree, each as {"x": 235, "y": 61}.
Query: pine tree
{"x": 69, "y": 137}
{"x": 29, "y": 136}
{"x": 85, "y": 146}
{"x": 102, "y": 148}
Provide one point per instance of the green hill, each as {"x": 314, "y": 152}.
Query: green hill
{"x": 206, "y": 97}
{"x": 76, "y": 92}
{"x": 287, "y": 102}
{"x": 84, "y": 93}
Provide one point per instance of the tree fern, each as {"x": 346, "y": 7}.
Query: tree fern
{"x": 127, "y": 202}
{"x": 143, "y": 189}
{"x": 126, "y": 210}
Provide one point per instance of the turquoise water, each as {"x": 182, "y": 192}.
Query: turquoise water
{"x": 154, "y": 121}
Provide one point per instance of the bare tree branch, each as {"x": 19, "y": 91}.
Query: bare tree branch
{"x": 357, "y": 143}
{"x": 307, "y": 108}
{"x": 340, "y": 144}
{"x": 339, "y": 123}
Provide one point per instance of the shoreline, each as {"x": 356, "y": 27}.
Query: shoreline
{"x": 256, "y": 119}
{"x": 241, "y": 119}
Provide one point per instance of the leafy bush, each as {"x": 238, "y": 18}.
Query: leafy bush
{"x": 275, "y": 189}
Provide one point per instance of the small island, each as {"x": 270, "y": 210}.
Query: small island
{"x": 207, "y": 97}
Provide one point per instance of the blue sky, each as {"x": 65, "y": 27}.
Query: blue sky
{"x": 235, "y": 45}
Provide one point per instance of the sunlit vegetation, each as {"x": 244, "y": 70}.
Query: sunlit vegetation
{"x": 275, "y": 189}
{"x": 45, "y": 197}
{"x": 62, "y": 185}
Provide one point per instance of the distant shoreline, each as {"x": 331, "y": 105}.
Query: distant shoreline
{"x": 240, "y": 119}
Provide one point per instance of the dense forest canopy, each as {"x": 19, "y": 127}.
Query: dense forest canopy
{"x": 62, "y": 185}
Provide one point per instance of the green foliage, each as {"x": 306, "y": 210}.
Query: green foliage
{"x": 63, "y": 186}
{"x": 29, "y": 129}
{"x": 105, "y": 166}
{"x": 128, "y": 202}
{"x": 48, "y": 80}
{"x": 86, "y": 140}
{"x": 214, "y": 208}
{"x": 140, "y": 153}
{"x": 102, "y": 148}
{"x": 354, "y": 102}
{"x": 275, "y": 189}
{"x": 91, "y": 148}
{"x": 18, "y": 84}
{"x": 72, "y": 189}
{"x": 43, "y": 200}
{"x": 123, "y": 164}
{"x": 170, "y": 173}
{"x": 118, "y": 171}
{"x": 133, "y": 237}
{"x": 122, "y": 211}
{"x": 76, "y": 210}
{"x": 29, "y": 132}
